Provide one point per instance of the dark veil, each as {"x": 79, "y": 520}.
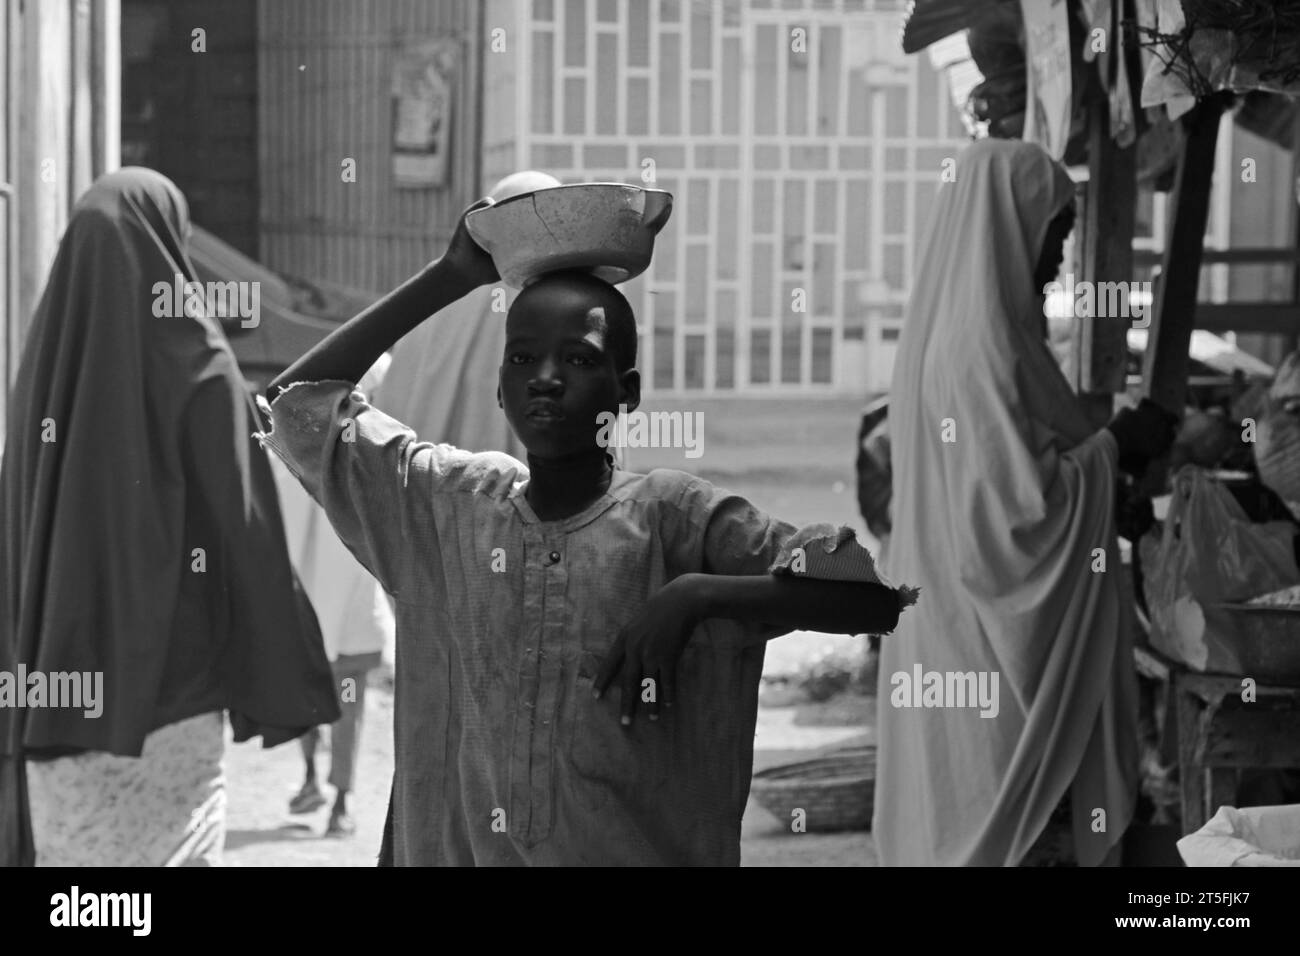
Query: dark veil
{"x": 94, "y": 498}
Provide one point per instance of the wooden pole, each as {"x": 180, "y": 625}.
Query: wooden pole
{"x": 1292, "y": 340}
{"x": 1173, "y": 313}
{"x": 1101, "y": 342}
{"x": 106, "y": 87}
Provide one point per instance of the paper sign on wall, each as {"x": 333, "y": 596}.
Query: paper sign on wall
{"x": 422, "y": 114}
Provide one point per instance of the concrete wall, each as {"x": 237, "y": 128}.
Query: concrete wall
{"x": 325, "y": 75}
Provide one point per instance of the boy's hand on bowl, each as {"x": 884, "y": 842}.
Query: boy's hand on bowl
{"x": 466, "y": 256}
{"x": 648, "y": 648}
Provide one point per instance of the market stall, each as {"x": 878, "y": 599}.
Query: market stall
{"x": 1133, "y": 94}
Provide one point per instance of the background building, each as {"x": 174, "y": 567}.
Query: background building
{"x": 803, "y": 149}
{"x": 802, "y": 146}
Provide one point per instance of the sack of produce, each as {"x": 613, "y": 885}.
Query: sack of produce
{"x": 1208, "y": 554}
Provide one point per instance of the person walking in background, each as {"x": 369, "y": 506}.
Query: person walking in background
{"x": 142, "y": 548}
{"x": 1003, "y": 494}
{"x": 356, "y": 621}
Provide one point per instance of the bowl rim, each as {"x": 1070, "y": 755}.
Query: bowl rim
{"x": 551, "y": 189}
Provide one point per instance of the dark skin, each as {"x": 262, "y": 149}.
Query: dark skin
{"x": 557, "y": 375}
{"x": 1053, "y": 253}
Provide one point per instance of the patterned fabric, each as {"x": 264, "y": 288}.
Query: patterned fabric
{"x": 502, "y": 754}
{"x": 166, "y": 807}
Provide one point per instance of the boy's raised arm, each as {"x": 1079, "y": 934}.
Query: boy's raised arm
{"x": 347, "y": 352}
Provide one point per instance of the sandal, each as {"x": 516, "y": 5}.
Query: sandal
{"x": 341, "y": 825}
{"x": 308, "y": 800}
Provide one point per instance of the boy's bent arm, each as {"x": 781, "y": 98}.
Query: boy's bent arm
{"x": 351, "y": 349}
{"x": 650, "y": 646}
{"x": 795, "y": 603}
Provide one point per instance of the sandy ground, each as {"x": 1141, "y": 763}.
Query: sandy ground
{"x": 261, "y": 832}
{"x": 792, "y": 458}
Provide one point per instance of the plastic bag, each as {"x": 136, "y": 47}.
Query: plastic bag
{"x": 1253, "y": 836}
{"x": 1209, "y": 553}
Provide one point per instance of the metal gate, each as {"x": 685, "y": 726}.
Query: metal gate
{"x": 802, "y": 147}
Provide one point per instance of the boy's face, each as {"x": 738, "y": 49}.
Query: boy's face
{"x": 557, "y": 374}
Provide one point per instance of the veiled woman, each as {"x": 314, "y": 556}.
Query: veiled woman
{"x": 1004, "y": 498}
{"x": 141, "y": 541}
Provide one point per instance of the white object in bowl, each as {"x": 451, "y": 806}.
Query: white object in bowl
{"x": 607, "y": 229}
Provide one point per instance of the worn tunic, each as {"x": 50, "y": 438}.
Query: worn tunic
{"x": 502, "y": 754}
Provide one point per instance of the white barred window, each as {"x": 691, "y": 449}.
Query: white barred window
{"x": 803, "y": 150}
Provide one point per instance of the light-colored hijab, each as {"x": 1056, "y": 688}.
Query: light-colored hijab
{"x": 1003, "y": 494}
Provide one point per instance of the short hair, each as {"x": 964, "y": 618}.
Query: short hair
{"x": 620, "y": 321}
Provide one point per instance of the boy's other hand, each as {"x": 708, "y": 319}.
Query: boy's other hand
{"x": 646, "y": 651}
{"x": 467, "y": 256}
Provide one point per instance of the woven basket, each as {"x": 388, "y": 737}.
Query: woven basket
{"x": 836, "y": 791}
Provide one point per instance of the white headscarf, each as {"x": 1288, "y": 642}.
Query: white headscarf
{"x": 999, "y": 525}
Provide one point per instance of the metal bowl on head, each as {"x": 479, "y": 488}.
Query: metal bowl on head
{"x": 607, "y": 229}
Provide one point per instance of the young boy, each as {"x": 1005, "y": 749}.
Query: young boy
{"x": 523, "y": 593}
